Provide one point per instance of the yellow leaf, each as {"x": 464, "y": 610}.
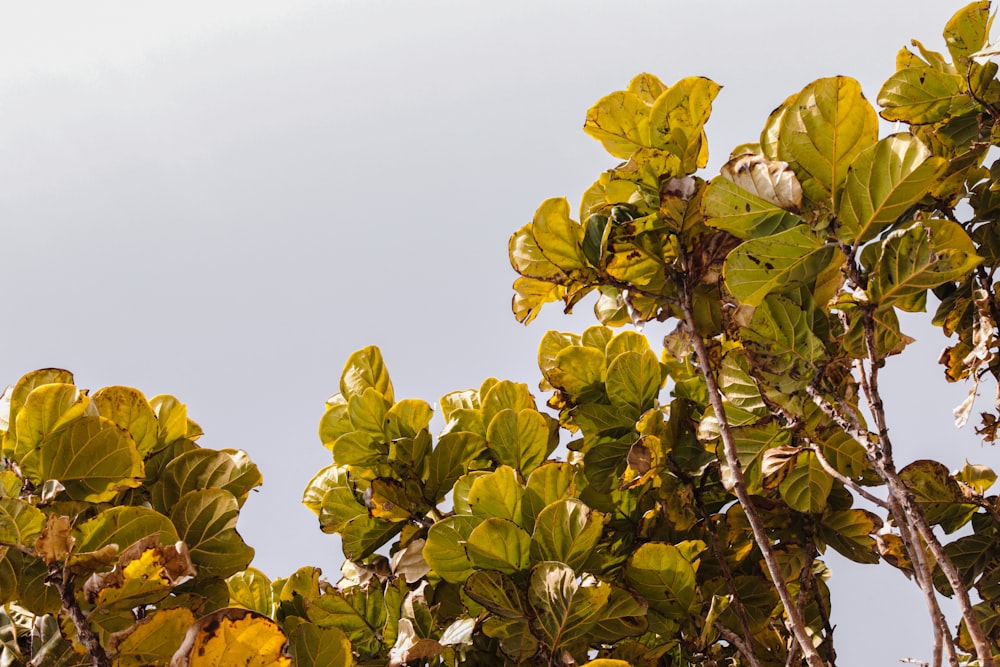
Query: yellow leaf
{"x": 233, "y": 637}
{"x": 620, "y": 121}
{"x": 153, "y": 640}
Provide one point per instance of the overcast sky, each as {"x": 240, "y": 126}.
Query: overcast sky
{"x": 223, "y": 200}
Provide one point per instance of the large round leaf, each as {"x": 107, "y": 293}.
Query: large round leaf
{"x": 92, "y": 457}
{"x": 129, "y": 408}
{"x": 206, "y": 521}
{"x": 661, "y": 574}
{"x": 123, "y": 526}
{"x": 233, "y": 637}
{"x": 566, "y": 531}
{"x": 445, "y": 548}
{"x": 313, "y": 646}
{"x": 205, "y": 469}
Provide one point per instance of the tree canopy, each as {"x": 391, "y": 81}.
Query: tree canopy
{"x": 665, "y": 507}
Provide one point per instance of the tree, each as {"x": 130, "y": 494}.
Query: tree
{"x": 701, "y": 487}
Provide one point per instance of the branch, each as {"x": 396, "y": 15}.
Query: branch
{"x": 845, "y": 480}
{"x": 911, "y": 510}
{"x": 921, "y": 569}
{"x": 64, "y": 584}
{"x": 796, "y": 622}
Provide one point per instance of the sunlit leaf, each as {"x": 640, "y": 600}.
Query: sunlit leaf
{"x": 497, "y": 494}
{"x": 821, "y": 132}
{"x": 558, "y": 237}
{"x": 366, "y": 370}
{"x": 521, "y": 440}
{"x": 251, "y": 589}
{"x": 776, "y": 264}
{"x": 664, "y": 577}
{"x": 449, "y": 460}
{"x": 634, "y": 380}
{"x": 807, "y": 486}
{"x": 129, "y": 408}
{"x": 498, "y": 544}
{"x": 923, "y": 94}
{"x": 313, "y": 646}
{"x": 233, "y": 637}
{"x": 565, "y": 611}
{"x": 20, "y": 521}
{"x": 921, "y": 257}
{"x": 883, "y": 182}
{"x": 566, "y": 531}
{"x": 445, "y": 548}
{"x": 153, "y": 640}
{"x": 620, "y": 121}
{"x": 677, "y": 119}
{"x": 206, "y": 522}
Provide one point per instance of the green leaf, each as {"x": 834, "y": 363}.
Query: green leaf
{"x": 206, "y": 522}
{"x": 558, "y": 237}
{"x": 20, "y": 522}
{"x": 967, "y": 31}
{"x": 548, "y": 483}
{"x": 521, "y": 440}
{"x": 921, "y": 94}
{"x": 624, "y": 615}
{"x": 807, "y": 486}
{"x": 366, "y": 370}
{"x": 883, "y": 182}
{"x": 205, "y": 469}
{"x": 566, "y": 531}
{"x": 129, "y": 408}
{"x": 449, "y": 460}
{"x": 251, "y": 589}
{"x": 92, "y": 457}
{"x": 777, "y": 264}
{"x": 634, "y": 380}
{"x": 850, "y": 533}
{"x": 661, "y": 574}
{"x": 367, "y": 412}
{"x": 123, "y": 526}
{"x": 497, "y": 592}
{"x": 938, "y": 494}
{"x": 579, "y": 371}
{"x": 498, "y": 544}
{"x": 731, "y": 208}
{"x": 565, "y": 611}
{"x": 172, "y": 423}
{"x": 363, "y": 535}
{"x": 153, "y": 640}
{"x": 313, "y": 646}
{"x": 751, "y": 444}
{"x": 359, "y": 612}
{"x": 407, "y": 418}
{"x": 505, "y": 394}
{"x": 497, "y": 494}
{"x": 919, "y": 258}
{"x": 445, "y": 548}
{"x": 677, "y": 119}
{"x": 781, "y": 345}
{"x": 620, "y": 121}
{"x": 977, "y": 476}
{"x": 46, "y": 409}
{"x": 821, "y": 132}
{"x": 16, "y": 397}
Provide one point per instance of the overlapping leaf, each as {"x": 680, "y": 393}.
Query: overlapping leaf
{"x": 883, "y": 182}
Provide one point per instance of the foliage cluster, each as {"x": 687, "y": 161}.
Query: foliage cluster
{"x": 702, "y": 486}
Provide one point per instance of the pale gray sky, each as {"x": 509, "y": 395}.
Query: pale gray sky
{"x": 223, "y": 200}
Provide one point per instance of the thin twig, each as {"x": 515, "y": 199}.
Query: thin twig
{"x": 845, "y": 480}
{"x": 63, "y": 582}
